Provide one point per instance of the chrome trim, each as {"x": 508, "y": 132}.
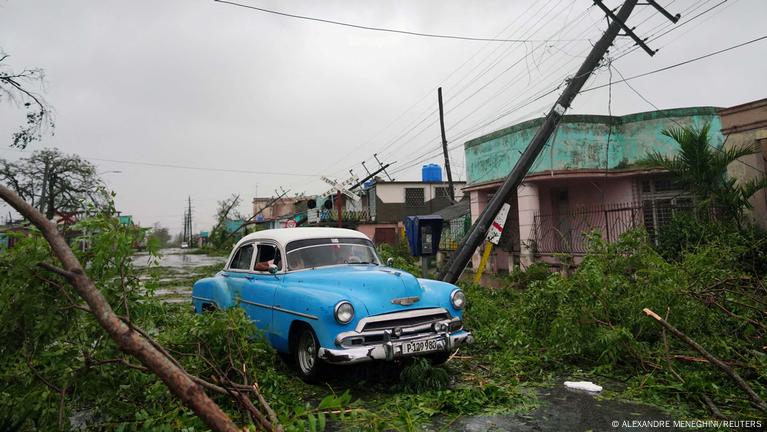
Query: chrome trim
{"x": 452, "y": 295}
{"x": 279, "y": 309}
{"x": 295, "y": 313}
{"x": 203, "y": 299}
{"x": 407, "y": 332}
{"x": 389, "y": 350}
{"x": 406, "y": 301}
{"x": 254, "y": 303}
{"x": 335, "y": 312}
{"x": 399, "y": 315}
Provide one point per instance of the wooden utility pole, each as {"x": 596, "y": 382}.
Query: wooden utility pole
{"x": 451, "y": 191}
{"x": 452, "y": 271}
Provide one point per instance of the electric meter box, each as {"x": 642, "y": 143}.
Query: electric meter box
{"x": 423, "y": 234}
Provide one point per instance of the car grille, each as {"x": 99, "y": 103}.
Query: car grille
{"x": 405, "y": 322}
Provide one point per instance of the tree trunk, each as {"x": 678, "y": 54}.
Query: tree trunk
{"x": 130, "y": 341}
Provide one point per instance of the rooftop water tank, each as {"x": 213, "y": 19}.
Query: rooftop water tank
{"x": 431, "y": 173}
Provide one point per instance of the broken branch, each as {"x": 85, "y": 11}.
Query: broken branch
{"x": 755, "y": 399}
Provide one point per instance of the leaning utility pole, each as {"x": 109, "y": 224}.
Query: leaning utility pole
{"x": 450, "y": 189}
{"x": 476, "y": 234}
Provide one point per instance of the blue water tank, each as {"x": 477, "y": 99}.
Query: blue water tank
{"x": 431, "y": 173}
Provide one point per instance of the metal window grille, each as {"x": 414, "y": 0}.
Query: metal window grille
{"x": 414, "y": 198}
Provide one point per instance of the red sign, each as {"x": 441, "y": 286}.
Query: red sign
{"x": 290, "y": 223}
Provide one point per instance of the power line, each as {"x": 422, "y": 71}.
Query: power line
{"x": 433, "y": 153}
{"x": 679, "y": 64}
{"x": 677, "y": 123}
{"x": 442, "y": 82}
{"x": 379, "y": 29}
{"x": 187, "y": 167}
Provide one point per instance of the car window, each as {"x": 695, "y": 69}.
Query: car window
{"x": 267, "y": 254}
{"x": 330, "y": 252}
{"x": 242, "y": 258}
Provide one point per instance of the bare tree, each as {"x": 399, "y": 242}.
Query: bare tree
{"x": 54, "y": 182}
{"x": 16, "y": 88}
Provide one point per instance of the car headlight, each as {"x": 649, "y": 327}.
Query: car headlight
{"x": 344, "y": 312}
{"x": 458, "y": 299}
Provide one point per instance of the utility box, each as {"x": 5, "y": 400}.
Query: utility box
{"x": 423, "y": 234}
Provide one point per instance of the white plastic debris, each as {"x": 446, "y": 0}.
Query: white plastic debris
{"x": 583, "y": 385}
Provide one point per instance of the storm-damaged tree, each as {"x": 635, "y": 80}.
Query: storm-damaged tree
{"x": 54, "y": 182}
{"x": 220, "y": 237}
{"x": 18, "y": 88}
{"x": 701, "y": 169}
{"x": 160, "y": 235}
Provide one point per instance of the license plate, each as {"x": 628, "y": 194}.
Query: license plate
{"x": 421, "y": 346}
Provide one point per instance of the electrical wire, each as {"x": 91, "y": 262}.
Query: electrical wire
{"x": 363, "y": 27}
{"x": 186, "y": 167}
{"x": 676, "y": 122}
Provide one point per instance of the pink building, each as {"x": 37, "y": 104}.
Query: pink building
{"x": 587, "y": 178}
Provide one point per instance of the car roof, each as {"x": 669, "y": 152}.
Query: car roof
{"x": 287, "y": 235}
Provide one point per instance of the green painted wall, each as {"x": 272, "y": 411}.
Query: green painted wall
{"x": 580, "y": 142}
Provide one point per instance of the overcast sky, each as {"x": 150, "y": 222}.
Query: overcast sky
{"x": 203, "y": 84}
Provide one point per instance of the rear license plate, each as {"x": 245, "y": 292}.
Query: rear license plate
{"x": 421, "y": 346}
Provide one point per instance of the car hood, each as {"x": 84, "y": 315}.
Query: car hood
{"x": 375, "y": 286}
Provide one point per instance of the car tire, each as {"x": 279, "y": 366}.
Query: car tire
{"x": 305, "y": 351}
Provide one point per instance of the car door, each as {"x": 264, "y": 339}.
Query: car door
{"x": 257, "y": 295}
{"x": 239, "y": 272}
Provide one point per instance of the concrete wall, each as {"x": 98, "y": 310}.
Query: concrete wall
{"x": 390, "y": 200}
{"x": 580, "y": 142}
{"x": 746, "y": 125}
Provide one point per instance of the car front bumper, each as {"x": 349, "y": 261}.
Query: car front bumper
{"x": 391, "y": 349}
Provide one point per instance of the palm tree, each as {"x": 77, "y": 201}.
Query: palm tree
{"x": 701, "y": 169}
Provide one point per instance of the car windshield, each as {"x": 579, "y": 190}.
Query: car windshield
{"x": 312, "y": 253}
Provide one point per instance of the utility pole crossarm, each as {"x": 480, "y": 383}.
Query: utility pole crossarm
{"x": 476, "y": 234}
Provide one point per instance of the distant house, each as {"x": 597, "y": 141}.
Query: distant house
{"x": 587, "y": 177}
{"x": 10, "y": 231}
{"x": 388, "y": 202}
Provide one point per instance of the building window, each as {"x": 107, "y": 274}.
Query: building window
{"x": 442, "y": 192}
{"x": 414, "y": 198}
{"x": 661, "y": 200}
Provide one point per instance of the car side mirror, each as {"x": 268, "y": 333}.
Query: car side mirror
{"x": 389, "y": 262}
{"x": 273, "y": 268}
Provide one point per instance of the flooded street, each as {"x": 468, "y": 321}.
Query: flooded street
{"x": 177, "y": 258}
{"x": 176, "y": 271}
{"x": 563, "y": 409}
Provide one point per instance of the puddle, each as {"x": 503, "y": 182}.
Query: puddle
{"x": 564, "y": 409}
{"x": 178, "y": 258}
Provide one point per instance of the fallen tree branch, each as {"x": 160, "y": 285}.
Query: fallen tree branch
{"x": 712, "y": 407}
{"x": 127, "y": 339}
{"x": 755, "y": 399}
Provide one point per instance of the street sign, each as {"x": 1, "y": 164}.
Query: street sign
{"x": 342, "y": 187}
{"x": 291, "y": 223}
{"x": 313, "y": 215}
{"x": 496, "y": 229}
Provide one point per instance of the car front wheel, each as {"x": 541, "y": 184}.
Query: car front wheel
{"x": 305, "y": 355}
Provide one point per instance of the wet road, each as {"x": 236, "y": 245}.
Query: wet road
{"x": 177, "y": 270}
{"x": 177, "y": 259}
{"x": 564, "y": 409}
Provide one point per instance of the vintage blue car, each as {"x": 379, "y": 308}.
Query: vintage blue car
{"x": 323, "y": 295}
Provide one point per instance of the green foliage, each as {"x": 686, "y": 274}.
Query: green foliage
{"x": 401, "y": 255}
{"x": 421, "y": 376}
{"x": 687, "y": 233}
{"x": 701, "y": 169}
{"x": 594, "y": 319}
{"x": 522, "y": 279}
